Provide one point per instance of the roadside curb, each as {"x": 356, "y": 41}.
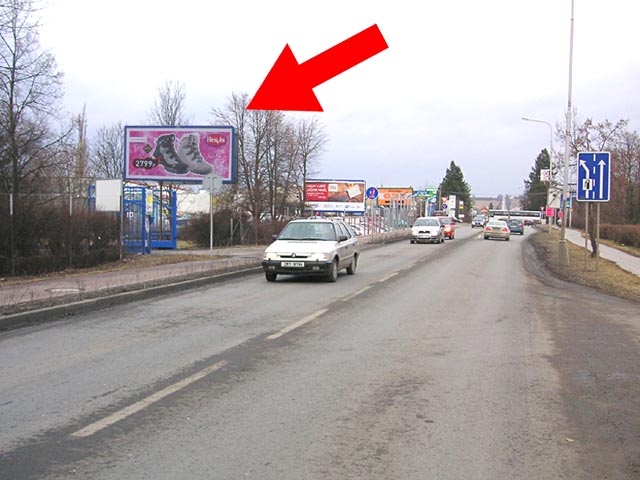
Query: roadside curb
{"x": 65, "y": 307}
{"x": 134, "y": 293}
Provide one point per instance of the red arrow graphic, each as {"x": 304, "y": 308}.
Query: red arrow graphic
{"x": 289, "y": 85}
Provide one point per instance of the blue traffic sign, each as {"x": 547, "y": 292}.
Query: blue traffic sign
{"x": 594, "y": 176}
{"x": 372, "y": 193}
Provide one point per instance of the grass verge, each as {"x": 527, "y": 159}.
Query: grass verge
{"x": 609, "y": 278}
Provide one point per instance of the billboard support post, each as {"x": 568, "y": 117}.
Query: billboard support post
{"x": 211, "y": 219}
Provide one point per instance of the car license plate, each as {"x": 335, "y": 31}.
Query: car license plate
{"x": 424, "y": 235}
{"x": 292, "y": 264}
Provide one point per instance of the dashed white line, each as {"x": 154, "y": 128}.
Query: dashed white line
{"x": 140, "y": 405}
{"x": 355, "y": 294}
{"x": 297, "y": 324}
{"x": 387, "y": 277}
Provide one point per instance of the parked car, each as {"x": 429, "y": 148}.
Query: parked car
{"x": 314, "y": 246}
{"x": 427, "y": 229}
{"x": 479, "y": 221}
{"x": 515, "y": 226}
{"x": 449, "y": 225}
{"x": 497, "y": 229}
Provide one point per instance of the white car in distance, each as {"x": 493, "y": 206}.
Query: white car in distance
{"x": 427, "y": 229}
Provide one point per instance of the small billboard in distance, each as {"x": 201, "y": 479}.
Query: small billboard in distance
{"x": 335, "y": 195}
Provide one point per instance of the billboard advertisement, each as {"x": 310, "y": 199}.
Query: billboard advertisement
{"x": 335, "y": 195}
{"x": 179, "y": 154}
{"x": 400, "y": 196}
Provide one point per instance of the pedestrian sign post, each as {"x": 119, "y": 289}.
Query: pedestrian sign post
{"x": 594, "y": 175}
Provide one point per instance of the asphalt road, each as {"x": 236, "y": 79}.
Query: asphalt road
{"x": 433, "y": 361}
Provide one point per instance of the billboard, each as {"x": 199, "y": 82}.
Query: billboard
{"x": 335, "y": 195}
{"x": 179, "y": 154}
{"x": 400, "y": 196}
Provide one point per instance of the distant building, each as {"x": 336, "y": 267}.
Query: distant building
{"x": 500, "y": 202}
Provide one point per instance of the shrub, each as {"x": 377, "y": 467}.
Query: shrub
{"x": 623, "y": 234}
{"x": 47, "y": 239}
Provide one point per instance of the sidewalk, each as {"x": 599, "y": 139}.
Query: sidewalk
{"x": 623, "y": 260}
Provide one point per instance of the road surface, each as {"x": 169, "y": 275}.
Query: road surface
{"x": 433, "y": 361}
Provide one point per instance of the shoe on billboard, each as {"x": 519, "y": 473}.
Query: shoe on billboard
{"x": 190, "y": 155}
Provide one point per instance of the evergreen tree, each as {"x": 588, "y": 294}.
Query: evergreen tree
{"x": 453, "y": 183}
{"x": 535, "y": 195}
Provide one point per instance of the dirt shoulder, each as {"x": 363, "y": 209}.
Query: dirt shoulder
{"x": 609, "y": 278}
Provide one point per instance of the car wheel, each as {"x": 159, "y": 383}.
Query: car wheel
{"x": 270, "y": 276}
{"x": 333, "y": 271}
{"x": 486, "y": 238}
{"x": 351, "y": 269}
{"x": 507, "y": 239}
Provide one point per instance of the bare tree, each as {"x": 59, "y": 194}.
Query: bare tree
{"x": 279, "y": 141}
{"x": 311, "y": 141}
{"x": 73, "y": 164}
{"x": 625, "y": 174}
{"x": 169, "y": 108}
{"x": 107, "y": 157}
{"x": 255, "y": 141}
{"x": 30, "y": 89}
{"x": 274, "y": 154}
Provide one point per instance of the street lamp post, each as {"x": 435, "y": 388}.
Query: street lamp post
{"x": 563, "y": 249}
{"x": 550, "y": 161}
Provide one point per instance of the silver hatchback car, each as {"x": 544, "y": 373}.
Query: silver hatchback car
{"x": 315, "y": 246}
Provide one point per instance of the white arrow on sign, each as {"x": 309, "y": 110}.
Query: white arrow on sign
{"x": 602, "y": 164}
{"x": 583, "y": 164}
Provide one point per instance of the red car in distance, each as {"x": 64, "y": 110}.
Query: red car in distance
{"x": 449, "y": 224}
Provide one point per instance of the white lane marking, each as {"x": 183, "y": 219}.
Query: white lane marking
{"x": 387, "y": 277}
{"x": 355, "y": 294}
{"x": 140, "y": 405}
{"x": 297, "y": 324}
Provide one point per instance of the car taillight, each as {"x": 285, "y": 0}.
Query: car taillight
{"x": 505, "y": 229}
{"x": 447, "y": 228}
{"x": 488, "y": 229}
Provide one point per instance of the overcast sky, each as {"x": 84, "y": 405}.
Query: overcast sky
{"x": 452, "y": 86}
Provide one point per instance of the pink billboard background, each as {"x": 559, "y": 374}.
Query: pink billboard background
{"x": 179, "y": 154}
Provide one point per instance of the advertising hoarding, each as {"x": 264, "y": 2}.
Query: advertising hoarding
{"x": 335, "y": 195}
{"x": 452, "y": 203}
{"x": 401, "y": 196}
{"x": 179, "y": 154}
